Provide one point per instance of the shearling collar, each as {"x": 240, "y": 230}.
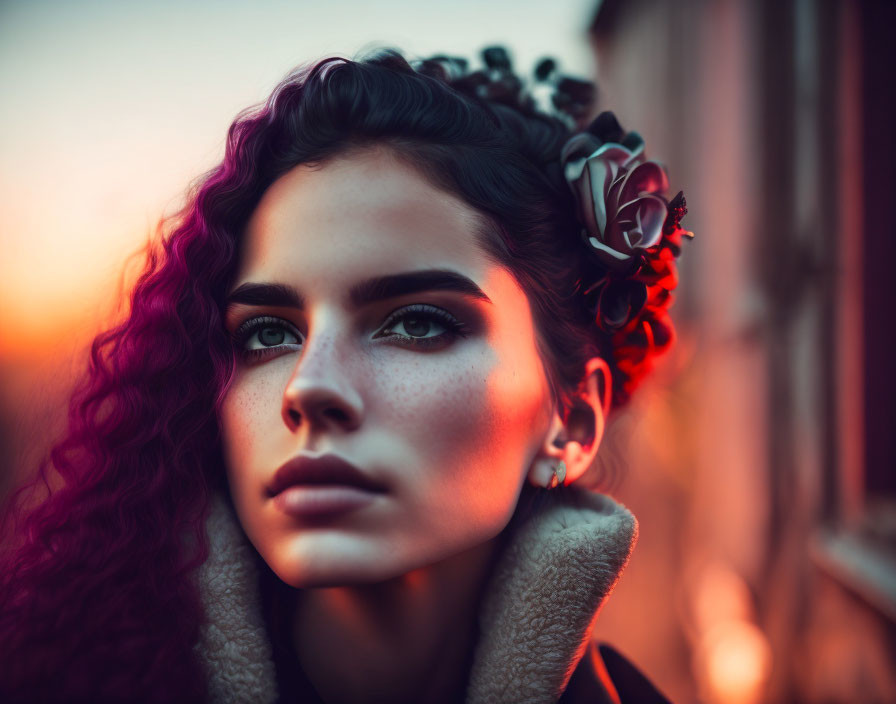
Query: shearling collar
{"x": 558, "y": 565}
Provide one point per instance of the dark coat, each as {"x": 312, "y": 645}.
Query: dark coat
{"x": 534, "y": 644}
{"x": 604, "y": 672}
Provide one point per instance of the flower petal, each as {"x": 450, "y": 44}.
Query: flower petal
{"x": 615, "y": 190}
{"x": 614, "y": 235}
{"x": 601, "y": 174}
{"x": 572, "y": 170}
{"x": 648, "y": 177}
{"x": 579, "y": 146}
{"x": 634, "y": 142}
{"x": 608, "y": 255}
{"x": 611, "y": 151}
{"x": 620, "y": 301}
{"x": 588, "y": 216}
{"x": 646, "y": 215}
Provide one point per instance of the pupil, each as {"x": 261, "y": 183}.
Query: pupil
{"x": 416, "y": 326}
{"x": 271, "y": 336}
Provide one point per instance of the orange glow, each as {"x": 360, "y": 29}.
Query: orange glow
{"x": 735, "y": 659}
{"x": 52, "y": 304}
{"x": 721, "y": 595}
{"x": 732, "y": 657}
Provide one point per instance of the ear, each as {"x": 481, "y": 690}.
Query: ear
{"x": 577, "y": 440}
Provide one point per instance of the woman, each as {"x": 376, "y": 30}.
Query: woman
{"x": 334, "y": 451}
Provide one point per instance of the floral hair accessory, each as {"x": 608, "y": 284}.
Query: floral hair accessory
{"x": 619, "y": 194}
{"x": 632, "y": 235}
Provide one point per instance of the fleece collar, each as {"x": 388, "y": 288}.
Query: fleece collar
{"x": 551, "y": 579}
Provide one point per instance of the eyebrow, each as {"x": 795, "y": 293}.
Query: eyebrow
{"x": 376, "y": 289}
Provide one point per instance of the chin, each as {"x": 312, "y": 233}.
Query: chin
{"x": 334, "y": 568}
{"x": 326, "y": 578}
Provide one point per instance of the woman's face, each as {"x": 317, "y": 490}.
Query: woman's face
{"x": 447, "y": 423}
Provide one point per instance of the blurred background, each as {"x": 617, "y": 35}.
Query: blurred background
{"x": 759, "y": 459}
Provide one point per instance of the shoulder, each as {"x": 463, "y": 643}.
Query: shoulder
{"x": 605, "y": 676}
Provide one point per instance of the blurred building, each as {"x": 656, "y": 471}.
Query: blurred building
{"x": 762, "y": 464}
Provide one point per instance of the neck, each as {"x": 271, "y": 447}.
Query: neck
{"x": 554, "y": 570}
{"x": 406, "y": 639}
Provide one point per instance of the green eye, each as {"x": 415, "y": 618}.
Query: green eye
{"x": 418, "y": 319}
{"x": 260, "y": 337}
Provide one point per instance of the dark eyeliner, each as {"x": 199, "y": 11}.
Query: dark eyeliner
{"x": 250, "y": 326}
{"x": 454, "y": 328}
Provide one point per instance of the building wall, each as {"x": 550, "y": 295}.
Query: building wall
{"x": 745, "y": 454}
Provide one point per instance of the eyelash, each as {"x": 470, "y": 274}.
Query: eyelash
{"x": 454, "y": 330}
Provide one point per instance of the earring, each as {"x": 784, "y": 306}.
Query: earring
{"x": 558, "y": 475}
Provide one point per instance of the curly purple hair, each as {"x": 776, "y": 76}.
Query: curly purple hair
{"x": 98, "y": 592}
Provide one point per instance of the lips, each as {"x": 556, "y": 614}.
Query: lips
{"x": 325, "y": 469}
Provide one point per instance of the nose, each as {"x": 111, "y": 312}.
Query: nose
{"x": 319, "y": 393}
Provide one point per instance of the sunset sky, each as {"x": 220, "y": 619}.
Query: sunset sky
{"x": 110, "y": 109}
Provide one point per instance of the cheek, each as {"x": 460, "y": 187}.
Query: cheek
{"x": 443, "y": 403}
{"x": 471, "y": 421}
{"x": 239, "y": 415}
{"x": 488, "y": 391}
{"x": 250, "y": 414}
